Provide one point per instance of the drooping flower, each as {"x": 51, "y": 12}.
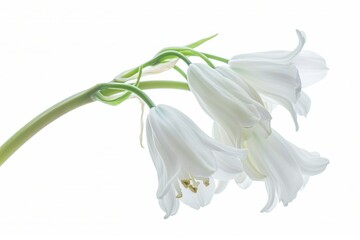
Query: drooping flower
{"x": 186, "y": 159}
{"x": 279, "y": 75}
{"x": 227, "y": 99}
{"x": 284, "y": 167}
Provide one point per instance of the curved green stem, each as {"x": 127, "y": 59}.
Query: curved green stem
{"x": 191, "y": 52}
{"x": 179, "y": 70}
{"x": 124, "y": 86}
{"x": 58, "y": 110}
{"x": 39, "y": 122}
{"x": 158, "y": 58}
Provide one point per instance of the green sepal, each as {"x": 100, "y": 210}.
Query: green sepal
{"x": 200, "y": 42}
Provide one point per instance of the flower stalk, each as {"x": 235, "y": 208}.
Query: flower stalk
{"x": 67, "y": 105}
{"x": 42, "y": 120}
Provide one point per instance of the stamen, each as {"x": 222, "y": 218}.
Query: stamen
{"x": 193, "y": 188}
{"x": 185, "y": 182}
{"x": 192, "y": 184}
{"x": 206, "y": 182}
{"x": 178, "y": 190}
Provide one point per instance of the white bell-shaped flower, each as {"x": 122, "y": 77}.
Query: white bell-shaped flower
{"x": 284, "y": 167}
{"x": 187, "y": 160}
{"x": 227, "y": 99}
{"x": 279, "y": 75}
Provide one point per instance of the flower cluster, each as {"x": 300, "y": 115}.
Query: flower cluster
{"x": 239, "y": 97}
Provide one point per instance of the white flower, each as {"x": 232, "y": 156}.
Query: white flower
{"x": 284, "y": 167}
{"x": 186, "y": 159}
{"x": 227, "y": 99}
{"x": 279, "y": 75}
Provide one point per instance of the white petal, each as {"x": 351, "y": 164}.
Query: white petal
{"x": 281, "y": 57}
{"x": 167, "y": 171}
{"x": 274, "y": 99}
{"x": 312, "y": 67}
{"x": 201, "y": 198}
{"x": 228, "y": 167}
{"x": 159, "y": 68}
{"x": 224, "y": 100}
{"x": 242, "y": 180}
{"x": 273, "y": 74}
{"x": 180, "y": 140}
{"x": 273, "y": 198}
{"x": 169, "y": 203}
{"x": 219, "y": 134}
{"x": 274, "y": 159}
{"x": 303, "y": 104}
{"x": 227, "y": 72}
{"x": 310, "y": 163}
{"x": 220, "y": 187}
{"x": 271, "y": 79}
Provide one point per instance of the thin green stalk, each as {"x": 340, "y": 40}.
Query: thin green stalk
{"x": 151, "y": 84}
{"x": 190, "y": 52}
{"x": 179, "y": 70}
{"x": 39, "y": 122}
{"x": 220, "y": 59}
{"x": 58, "y": 110}
{"x": 164, "y": 84}
{"x": 121, "y": 87}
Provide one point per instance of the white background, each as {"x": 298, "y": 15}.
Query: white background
{"x": 85, "y": 175}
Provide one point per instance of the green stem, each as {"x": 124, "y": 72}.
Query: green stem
{"x": 124, "y": 86}
{"x": 35, "y": 125}
{"x": 179, "y": 70}
{"x": 163, "y": 84}
{"x": 158, "y": 58}
{"x": 59, "y": 109}
{"x": 153, "y": 84}
{"x": 220, "y": 59}
{"x": 190, "y": 52}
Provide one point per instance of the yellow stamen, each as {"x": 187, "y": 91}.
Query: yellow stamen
{"x": 193, "y": 188}
{"x": 185, "y": 182}
{"x": 206, "y": 182}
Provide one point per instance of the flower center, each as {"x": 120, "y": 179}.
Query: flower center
{"x": 193, "y": 183}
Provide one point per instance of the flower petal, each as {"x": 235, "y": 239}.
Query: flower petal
{"x": 227, "y": 72}
{"x": 214, "y": 91}
{"x": 180, "y": 140}
{"x": 228, "y": 167}
{"x": 219, "y": 134}
{"x": 271, "y": 79}
{"x": 201, "y": 198}
{"x": 280, "y": 57}
{"x": 272, "y": 195}
{"x": 169, "y": 203}
{"x": 312, "y": 67}
{"x": 310, "y": 163}
{"x": 242, "y": 180}
{"x": 291, "y": 107}
{"x": 221, "y": 185}
{"x": 303, "y": 104}
{"x": 274, "y": 158}
{"x": 166, "y": 171}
